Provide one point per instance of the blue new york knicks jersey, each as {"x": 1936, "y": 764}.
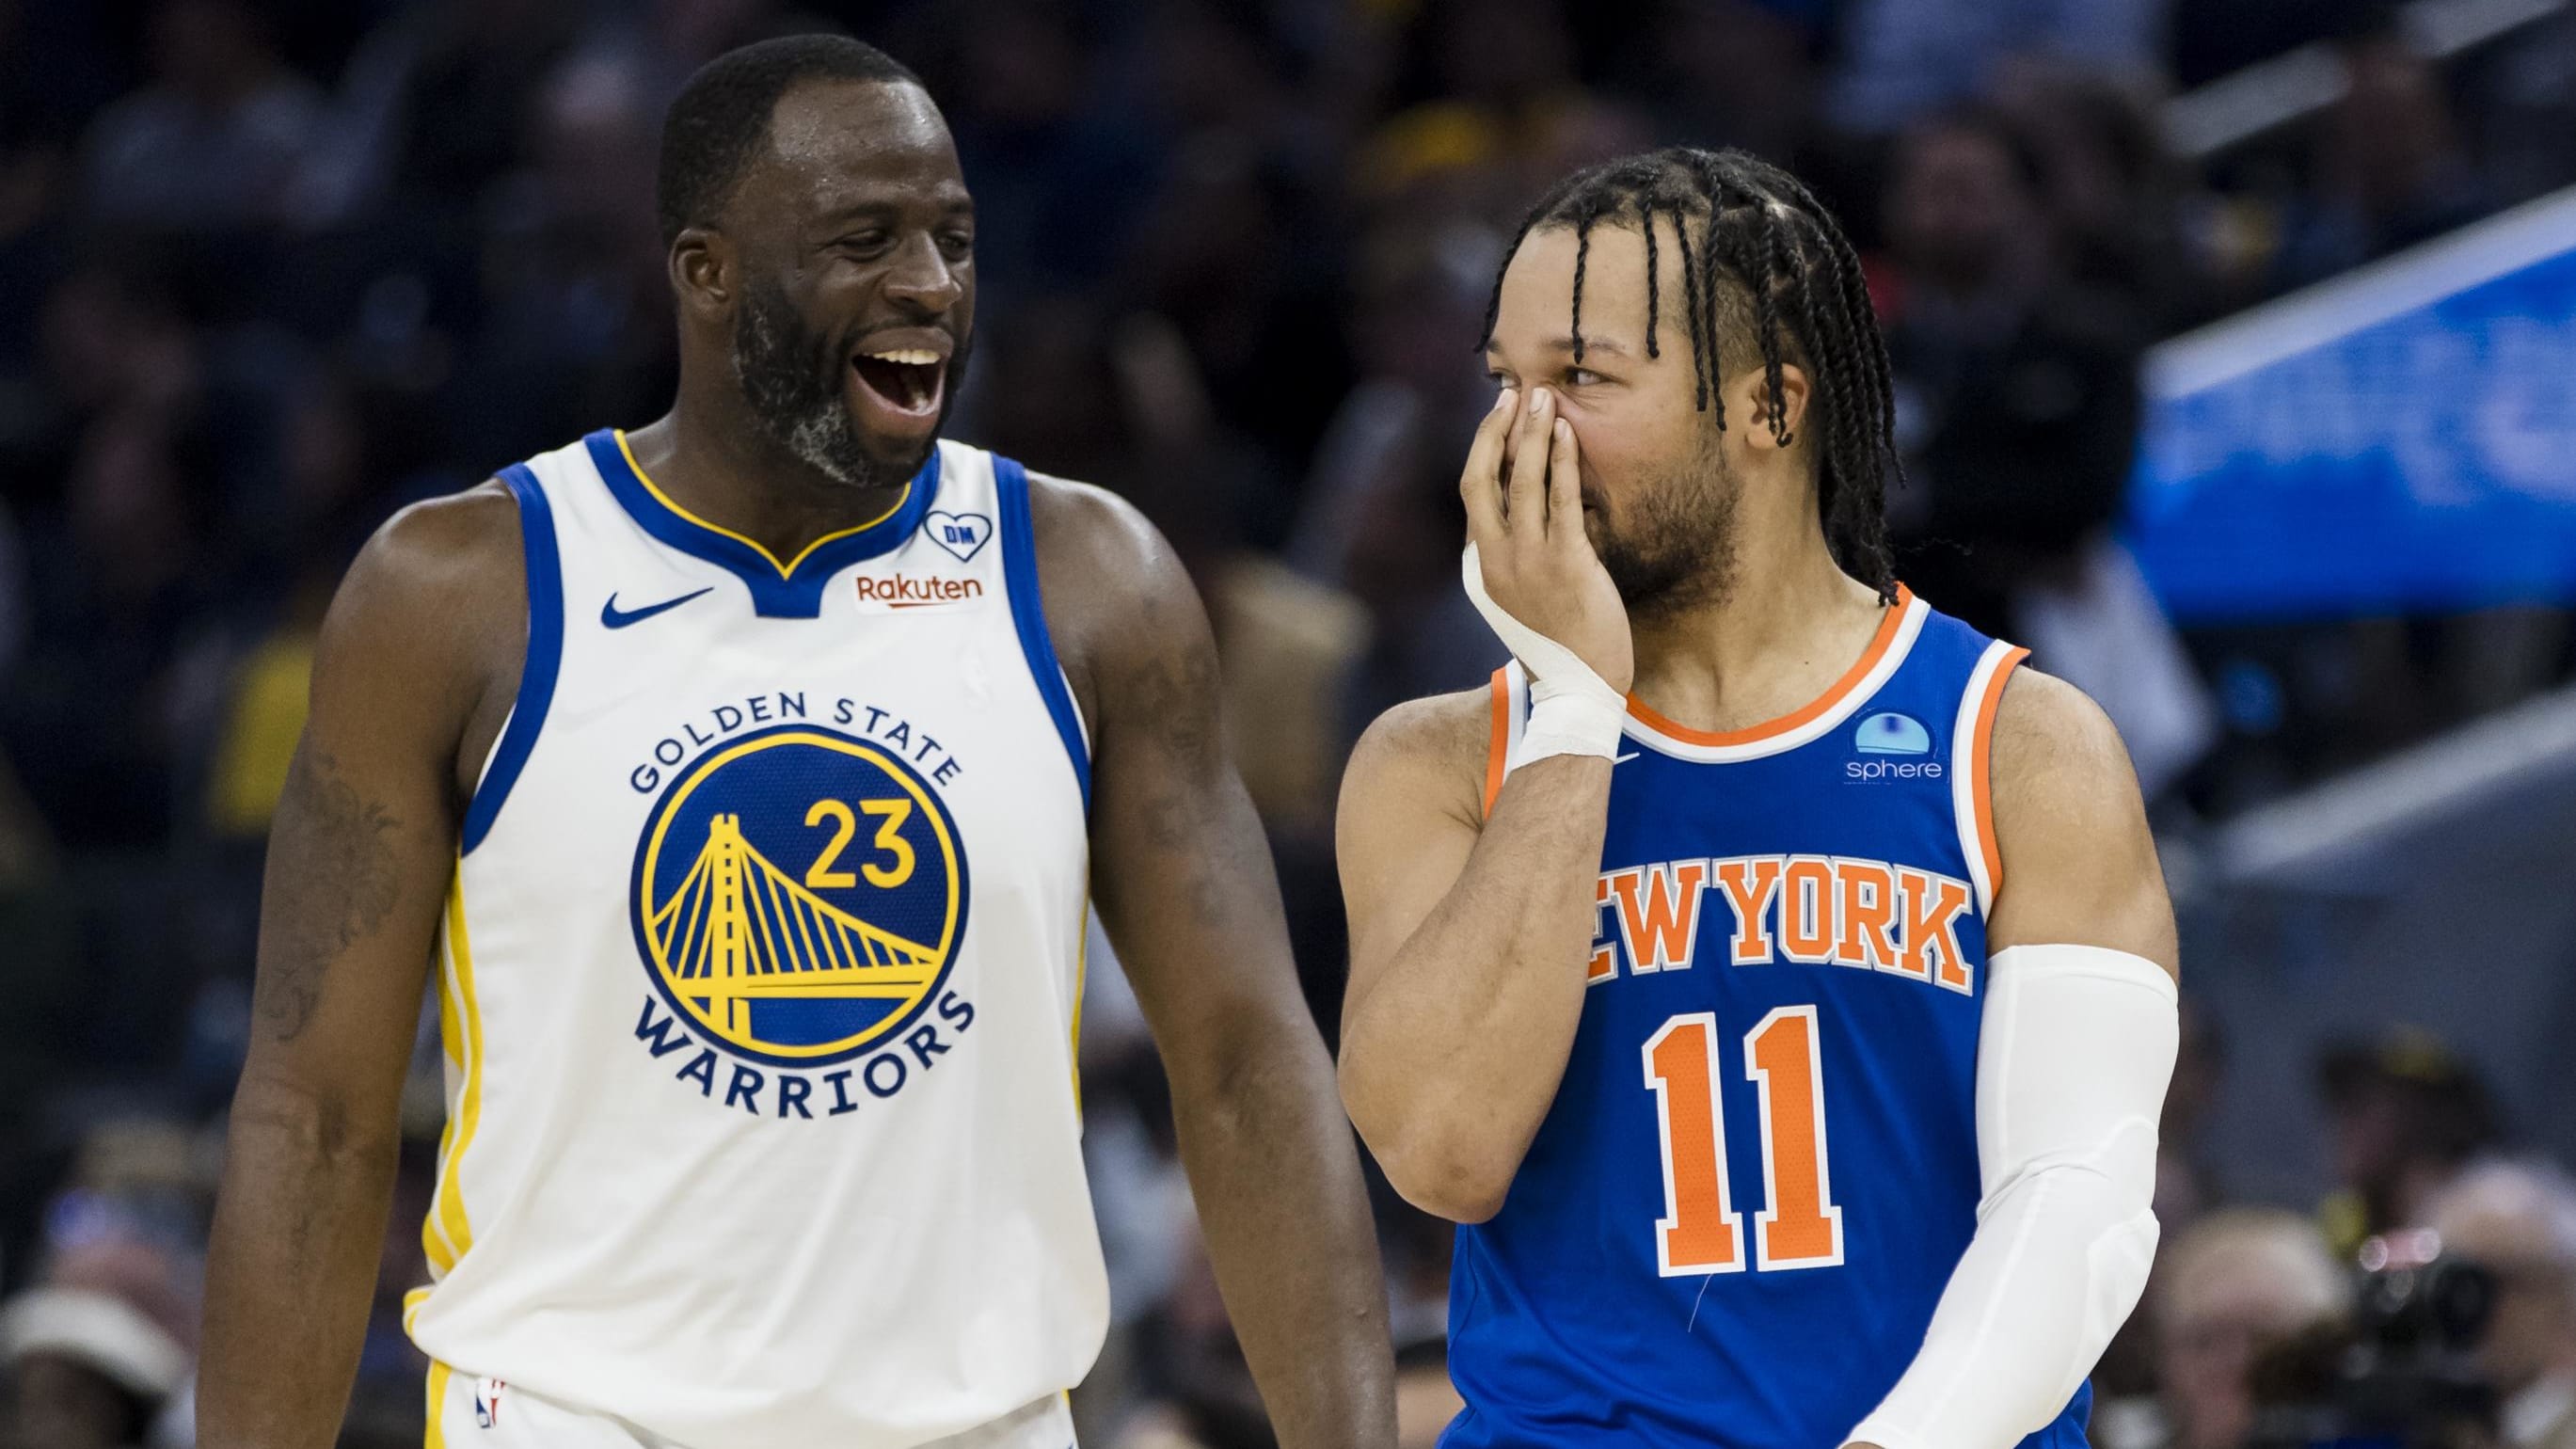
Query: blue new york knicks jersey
{"x": 1761, "y": 1164}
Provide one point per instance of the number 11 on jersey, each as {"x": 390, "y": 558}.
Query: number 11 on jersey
{"x": 1701, "y": 1232}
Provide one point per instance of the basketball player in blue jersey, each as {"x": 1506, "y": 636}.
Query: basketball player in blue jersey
{"x": 739, "y": 782}
{"x": 1773, "y": 981}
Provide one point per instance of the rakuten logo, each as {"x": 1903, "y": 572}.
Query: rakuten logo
{"x": 902, "y": 591}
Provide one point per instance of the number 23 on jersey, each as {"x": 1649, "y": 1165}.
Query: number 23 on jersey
{"x": 1701, "y": 1232}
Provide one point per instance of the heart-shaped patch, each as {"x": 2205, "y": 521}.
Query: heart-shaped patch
{"x": 962, "y": 534}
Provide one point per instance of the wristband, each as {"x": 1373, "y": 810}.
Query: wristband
{"x": 1573, "y": 711}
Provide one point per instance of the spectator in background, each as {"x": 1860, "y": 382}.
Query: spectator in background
{"x": 216, "y": 142}
{"x": 2238, "y": 1284}
{"x": 2185, "y": 1186}
{"x": 2517, "y": 1220}
{"x": 2407, "y": 1115}
{"x": 435, "y": 104}
{"x": 1735, "y": 73}
{"x": 2124, "y": 1382}
{"x": 2112, "y": 195}
{"x": 96, "y": 1349}
{"x": 109, "y": 336}
{"x": 576, "y": 299}
{"x": 1036, "y": 131}
{"x": 118, "y": 582}
{"x": 1380, "y": 514}
{"x": 2017, "y": 412}
{"x": 2387, "y": 169}
{"x": 2017, "y": 395}
{"x": 86, "y": 1370}
{"x": 1906, "y": 58}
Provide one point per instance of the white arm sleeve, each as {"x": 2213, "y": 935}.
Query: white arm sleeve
{"x": 2074, "y": 1050}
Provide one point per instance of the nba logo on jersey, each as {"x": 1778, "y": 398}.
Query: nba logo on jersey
{"x": 487, "y": 1402}
{"x": 798, "y": 967}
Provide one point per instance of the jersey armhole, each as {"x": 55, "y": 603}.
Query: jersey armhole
{"x": 537, "y": 672}
{"x": 1507, "y": 705}
{"x": 1028, "y": 616}
{"x": 1971, "y": 775}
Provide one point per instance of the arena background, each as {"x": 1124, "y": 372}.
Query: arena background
{"x": 269, "y": 271}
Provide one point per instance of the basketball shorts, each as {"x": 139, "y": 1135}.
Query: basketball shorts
{"x": 477, "y": 1413}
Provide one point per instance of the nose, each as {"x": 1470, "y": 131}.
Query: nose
{"x": 921, "y": 280}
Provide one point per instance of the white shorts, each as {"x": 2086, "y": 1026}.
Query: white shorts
{"x": 472, "y": 1413}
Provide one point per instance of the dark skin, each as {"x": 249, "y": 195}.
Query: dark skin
{"x": 854, "y": 211}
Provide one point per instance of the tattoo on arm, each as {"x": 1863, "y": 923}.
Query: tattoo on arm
{"x": 334, "y": 883}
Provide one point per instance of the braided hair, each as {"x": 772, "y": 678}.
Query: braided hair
{"x": 1769, "y": 275}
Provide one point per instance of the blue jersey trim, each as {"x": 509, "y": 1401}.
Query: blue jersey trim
{"x": 544, "y": 659}
{"x": 1028, "y": 613}
{"x": 791, "y": 590}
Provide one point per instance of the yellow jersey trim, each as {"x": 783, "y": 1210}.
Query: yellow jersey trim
{"x": 435, "y": 1436}
{"x": 1081, "y": 977}
{"x": 447, "y": 1233}
{"x": 755, "y": 545}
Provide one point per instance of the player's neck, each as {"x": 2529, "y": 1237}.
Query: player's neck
{"x": 1790, "y": 624}
{"x": 721, "y": 466}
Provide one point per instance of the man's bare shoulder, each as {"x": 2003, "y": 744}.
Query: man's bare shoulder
{"x": 428, "y": 632}
{"x": 450, "y": 550}
{"x": 1118, "y": 603}
{"x": 1435, "y": 730}
{"x": 2079, "y": 861}
{"x": 2054, "y": 746}
{"x": 1102, "y": 542}
{"x": 1432, "y": 752}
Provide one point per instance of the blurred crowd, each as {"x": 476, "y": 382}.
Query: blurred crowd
{"x": 270, "y": 269}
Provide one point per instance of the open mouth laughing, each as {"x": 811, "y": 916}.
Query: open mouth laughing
{"x": 901, "y": 380}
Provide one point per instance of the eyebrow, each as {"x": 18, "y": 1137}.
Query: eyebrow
{"x": 876, "y": 208}
{"x": 1565, "y": 345}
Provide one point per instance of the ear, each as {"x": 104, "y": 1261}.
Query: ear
{"x": 705, "y": 273}
{"x": 1748, "y": 395}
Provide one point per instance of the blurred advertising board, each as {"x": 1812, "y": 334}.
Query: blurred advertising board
{"x": 2399, "y": 439}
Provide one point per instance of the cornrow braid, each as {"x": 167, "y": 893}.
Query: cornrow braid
{"x": 1582, "y": 254}
{"x": 1769, "y": 277}
{"x": 1654, "y": 305}
{"x": 1697, "y": 316}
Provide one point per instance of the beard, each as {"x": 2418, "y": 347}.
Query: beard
{"x": 793, "y": 378}
{"x": 1674, "y": 549}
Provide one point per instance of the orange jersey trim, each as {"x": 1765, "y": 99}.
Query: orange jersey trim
{"x": 1981, "y": 774}
{"x": 1888, "y": 628}
{"x": 1501, "y": 742}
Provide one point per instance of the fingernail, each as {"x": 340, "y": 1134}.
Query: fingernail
{"x": 1502, "y": 399}
{"x": 1538, "y": 398}
{"x": 1564, "y": 430}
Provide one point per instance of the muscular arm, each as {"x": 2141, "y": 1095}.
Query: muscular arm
{"x": 2077, "y": 1041}
{"x": 1468, "y": 948}
{"x": 2079, "y": 862}
{"x": 1469, "y": 944}
{"x": 359, "y": 857}
{"x": 1185, "y": 886}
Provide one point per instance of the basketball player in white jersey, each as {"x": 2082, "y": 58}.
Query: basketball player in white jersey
{"x": 739, "y": 782}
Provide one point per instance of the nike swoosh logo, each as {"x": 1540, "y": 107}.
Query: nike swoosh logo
{"x": 1616, "y": 760}
{"x": 616, "y": 618}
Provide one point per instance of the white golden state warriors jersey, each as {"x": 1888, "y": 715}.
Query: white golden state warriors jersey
{"x": 759, "y": 980}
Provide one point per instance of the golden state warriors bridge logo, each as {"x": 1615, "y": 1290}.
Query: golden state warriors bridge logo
{"x": 798, "y": 895}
